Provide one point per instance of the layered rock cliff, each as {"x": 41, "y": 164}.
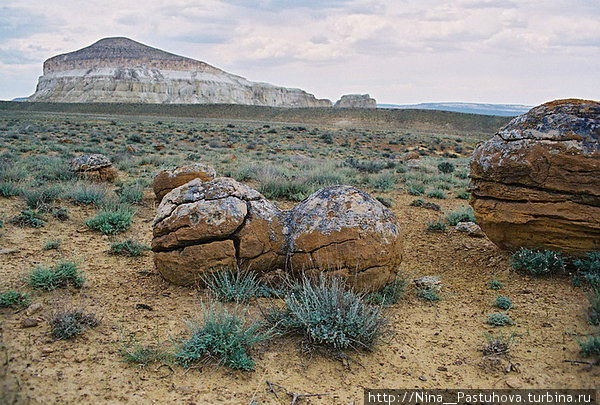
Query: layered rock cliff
{"x": 356, "y": 101}
{"x": 122, "y": 70}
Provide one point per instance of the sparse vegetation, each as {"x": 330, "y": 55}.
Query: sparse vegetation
{"x": 436, "y": 226}
{"x": 464, "y": 214}
{"x": 538, "y": 262}
{"x": 71, "y": 323}
{"x": 588, "y": 270}
{"x": 499, "y": 319}
{"x": 111, "y": 221}
{"x": 128, "y": 247}
{"x": 495, "y": 284}
{"x": 13, "y": 298}
{"x": 503, "y": 302}
{"x": 590, "y": 347}
{"x": 232, "y": 285}
{"x": 389, "y": 294}
{"x": 62, "y": 274}
{"x": 28, "y": 218}
{"x": 428, "y": 294}
{"x": 51, "y": 245}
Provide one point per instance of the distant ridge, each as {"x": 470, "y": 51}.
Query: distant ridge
{"x": 503, "y": 110}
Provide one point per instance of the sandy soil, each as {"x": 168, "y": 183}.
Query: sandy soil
{"x": 429, "y": 346}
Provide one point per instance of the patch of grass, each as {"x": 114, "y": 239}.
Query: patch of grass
{"x": 415, "y": 189}
{"x": 439, "y": 194}
{"x": 68, "y": 324}
{"x": 128, "y": 247}
{"x": 61, "y": 275}
{"x": 445, "y": 167}
{"x": 9, "y": 189}
{"x": 232, "y": 285}
{"x": 594, "y": 309}
{"x": 499, "y": 319}
{"x": 387, "y": 202}
{"x": 495, "y": 284}
{"x": 111, "y": 221}
{"x": 51, "y": 245}
{"x": 142, "y": 355}
{"x": 428, "y": 294}
{"x": 292, "y": 190}
{"x": 463, "y": 194}
{"x": 464, "y": 214}
{"x": 131, "y": 194}
{"x": 389, "y": 294}
{"x": 28, "y": 218}
{"x": 498, "y": 345}
{"x": 41, "y": 197}
{"x": 588, "y": 270}
{"x": 590, "y": 347}
{"x": 503, "y": 302}
{"x": 538, "y": 262}
{"x": 221, "y": 335}
{"x": 383, "y": 182}
{"x": 436, "y": 226}
{"x": 328, "y": 315}
{"x": 87, "y": 193}
{"x": 13, "y": 298}
{"x": 424, "y": 204}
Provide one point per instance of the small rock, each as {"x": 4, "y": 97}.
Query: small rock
{"x": 428, "y": 283}
{"x": 8, "y": 251}
{"x": 513, "y": 382}
{"x": 33, "y": 308}
{"x": 47, "y": 350}
{"x": 422, "y": 378}
{"x": 470, "y": 228}
{"x": 29, "y": 323}
{"x": 442, "y": 368}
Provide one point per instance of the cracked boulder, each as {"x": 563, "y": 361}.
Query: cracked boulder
{"x": 205, "y": 226}
{"x": 93, "y": 167}
{"x": 536, "y": 183}
{"x": 167, "y": 180}
{"x": 343, "y": 231}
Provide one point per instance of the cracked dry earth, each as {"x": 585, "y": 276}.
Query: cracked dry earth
{"x": 429, "y": 345}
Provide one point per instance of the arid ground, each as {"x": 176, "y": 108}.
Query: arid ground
{"x": 428, "y": 344}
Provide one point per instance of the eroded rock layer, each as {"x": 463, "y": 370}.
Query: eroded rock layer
{"x": 204, "y": 226}
{"x": 167, "y": 180}
{"x": 122, "y": 70}
{"x": 536, "y": 183}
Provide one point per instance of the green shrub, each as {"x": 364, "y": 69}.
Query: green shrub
{"x": 424, "y": 204}
{"x": 495, "y": 284}
{"x": 41, "y": 197}
{"x": 28, "y": 218}
{"x": 464, "y": 214}
{"x": 128, "y": 247}
{"x": 328, "y": 315}
{"x": 51, "y": 245}
{"x": 594, "y": 309}
{"x": 436, "y": 226}
{"x": 387, "y": 202}
{"x": 53, "y": 169}
{"x": 68, "y": 324}
{"x": 588, "y": 270}
{"x": 446, "y": 167}
{"x": 223, "y": 336}
{"x": 143, "y": 355}
{"x": 383, "y": 182}
{"x": 292, "y": 190}
{"x": 498, "y": 345}
{"x": 60, "y": 275}
{"x": 538, "y": 262}
{"x": 9, "y": 189}
{"x": 503, "y": 302}
{"x": 13, "y": 298}
{"x": 415, "y": 189}
{"x": 368, "y": 166}
{"x": 437, "y": 194}
{"x": 131, "y": 194}
{"x": 389, "y": 294}
{"x": 590, "y": 347}
{"x": 87, "y": 193}
{"x": 428, "y": 294}
{"x": 232, "y": 285}
{"x": 111, "y": 221}
{"x": 499, "y": 319}
{"x": 463, "y": 194}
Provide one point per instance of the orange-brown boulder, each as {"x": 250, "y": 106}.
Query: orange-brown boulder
{"x": 167, "y": 180}
{"x": 205, "y": 226}
{"x": 343, "y": 231}
{"x": 94, "y": 167}
{"x": 536, "y": 183}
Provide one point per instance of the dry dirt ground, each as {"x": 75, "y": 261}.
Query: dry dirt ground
{"x": 429, "y": 346}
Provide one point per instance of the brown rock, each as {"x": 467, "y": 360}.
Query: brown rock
{"x": 167, "y": 180}
{"x": 345, "y": 232}
{"x": 536, "y": 183}
{"x": 29, "y": 323}
{"x": 204, "y": 226}
{"x": 94, "y": 167}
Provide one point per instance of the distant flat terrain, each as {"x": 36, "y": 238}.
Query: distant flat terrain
{"x": 503, "y": 110}
{"x": 422, "y": 120}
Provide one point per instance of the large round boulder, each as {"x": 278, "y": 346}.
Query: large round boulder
{"x": 93, "y": 167}
{"x": 205, "y": 226}
{"x": 167, "y": 180}
{"x": 344, "y": 232}
{"x": 536, "y": 183}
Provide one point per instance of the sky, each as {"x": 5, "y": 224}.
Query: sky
{"x": 398, "y": 51}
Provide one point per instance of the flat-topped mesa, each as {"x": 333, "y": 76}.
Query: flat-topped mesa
{"x": 119, "y": 70}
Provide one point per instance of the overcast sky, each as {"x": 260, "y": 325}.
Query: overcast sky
{"x": 399, "y": 51}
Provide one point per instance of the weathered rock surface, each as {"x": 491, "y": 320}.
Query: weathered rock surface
{"x": 94, "y": 167}
{"x": 356, "y": 101}
{"x": 204, "y": 226}
{"x": 470, "y": 228}
{"x": 343, "y": 231}
{"x": 122, "y": 70}
{"x": 167, "y": 180}
{"x": 536, "y": 183}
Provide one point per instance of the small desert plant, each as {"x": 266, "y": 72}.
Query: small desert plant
{"x": 446, "y": 167}
{"x": 463, "y": 194}
{"x": 131, "y": 194}
{"x": 439, "y": 194}
{"x": 111, "y": 221}
{"x": 499, "y": 319}
{"x": 436, "y": 226}
{"x": 87, "y": 193}
{"x": 588, "y": 270}
{"x": 383, "y": 182}
{"x": 538, "y": 262}
{"x": 52, "y": 245}
{"x": 221, "y": 335}
{"x": 41, "y": 197}
{"x": 503, "y": 302}
{"x": 13, "y": 298}
{"x": 464, "y": 214}
{"x": 495, "y": 284}
{"x": 387, "y": 202}
{"x": 424, "y": 204}
{"x": 28, "y": 218}
{"x": 415, "y": 189}
{"x": 594, "y": 309}
{"x": 128, "y": 247}
{"x": 428, "y": 294}
{"x": 68, "y": 324}
{"x": 9, "y": 189}
{"x": 328, "y": 315}
{"x": 232, "y": 285}
{"x": 389, "y": 294}
{"x": 498, "y": 345}
{"x": 590, "y": 347}
{"x": 60, "y": 275}
{"x": 141, "y": 354}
